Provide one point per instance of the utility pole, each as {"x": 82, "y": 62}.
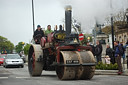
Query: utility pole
{"x": 33, "y": 16}
{"x": 94, "y": 32}
{"x": 112, "y": 29}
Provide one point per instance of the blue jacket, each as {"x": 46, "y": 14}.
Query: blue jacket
{"x": 117, "y": 52}
{"x": 125, "y": 49}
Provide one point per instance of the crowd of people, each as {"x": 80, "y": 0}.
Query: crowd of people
{"x": 112, "y": 55}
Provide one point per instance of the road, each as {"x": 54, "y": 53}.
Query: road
{"x": 20, "y": 76}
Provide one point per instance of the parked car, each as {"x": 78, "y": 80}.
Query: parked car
{"x": 13, "y": 60}
{"x": 2, "y": 56}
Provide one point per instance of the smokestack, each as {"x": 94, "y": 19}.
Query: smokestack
{"x": 68, "y": 19}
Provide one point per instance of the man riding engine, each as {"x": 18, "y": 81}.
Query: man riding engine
{"x": 38, "y": 34}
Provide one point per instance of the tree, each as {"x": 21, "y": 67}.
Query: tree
{"x": 26, "y": 49}
{"x": 19, "y": 47}
{"x": 85, "y": 40}
{"x": 5, "y": 44}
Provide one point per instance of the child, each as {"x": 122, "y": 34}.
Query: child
{"x": 107, "y": 59}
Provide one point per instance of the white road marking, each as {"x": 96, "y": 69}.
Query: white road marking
{"x": 5, "y": 73}
{"x": 22, "y": 77}
{"x": 3, "y": 77}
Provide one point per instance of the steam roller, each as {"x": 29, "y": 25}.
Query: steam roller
{"x": 61, "y": 51}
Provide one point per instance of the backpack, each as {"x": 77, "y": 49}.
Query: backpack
{"x": 121, "y": 49}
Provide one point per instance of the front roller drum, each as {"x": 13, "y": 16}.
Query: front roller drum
{"x": 76, "y": 72}
{"x": 85, "y": 72}
{"x": 35, "y": 68}
{"x": 65, "y": 72}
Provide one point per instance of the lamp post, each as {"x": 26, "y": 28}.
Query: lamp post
{"x": 33, "y": 16}
{"x": 112, "y": 29}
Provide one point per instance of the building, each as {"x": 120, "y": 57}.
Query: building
{"x": 121, "y": 34}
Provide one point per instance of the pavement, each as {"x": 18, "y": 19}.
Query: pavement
{"x": 109, "y": 72}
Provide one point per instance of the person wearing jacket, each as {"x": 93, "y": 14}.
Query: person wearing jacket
{"x": 109, "y": 52}
{"x": 38, "y": 31}
{"x": 117, "y": 50}
{"x": 98, "y": 51}
{"x": 93, "y": 48}
{"x": 125, "y": 46}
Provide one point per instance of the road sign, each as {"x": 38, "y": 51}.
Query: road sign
{"x": 81, "y": 37}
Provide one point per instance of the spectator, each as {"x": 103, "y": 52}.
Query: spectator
{"x": 117, "y": 50}
{"x": 109, "y": 52}
{"x": 107, "y": 59}
{"x": 93, "y": 48}
{"x": 125, "y": 46}
{"x": 98, "y": 51}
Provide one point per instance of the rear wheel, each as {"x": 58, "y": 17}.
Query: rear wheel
{"x": 35, "y": 68}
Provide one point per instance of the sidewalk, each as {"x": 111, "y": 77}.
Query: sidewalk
{"x": 108, "y": 72}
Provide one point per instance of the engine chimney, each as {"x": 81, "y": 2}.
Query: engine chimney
{"x": 68, "y": 19}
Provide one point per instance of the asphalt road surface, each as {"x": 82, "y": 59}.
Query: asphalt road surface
{"x": 20, "y": 76}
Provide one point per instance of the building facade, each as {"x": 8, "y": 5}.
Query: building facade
{"x": 121, "y": 35}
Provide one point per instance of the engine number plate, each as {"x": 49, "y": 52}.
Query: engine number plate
{"x": 72, "y": 61}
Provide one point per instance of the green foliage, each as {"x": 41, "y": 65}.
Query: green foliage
{"x": 26, "y": 49}
{"x": 6, "y": 44}
{"x": 19, "y": 47}
{"x": 102, "y": 66}
{"x": 85, "y": 40}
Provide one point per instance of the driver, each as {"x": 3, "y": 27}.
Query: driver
{"x": 38, "y": 31}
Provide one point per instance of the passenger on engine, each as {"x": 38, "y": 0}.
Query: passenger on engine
{"x": 48, "y": 31}
{"x": 39, "y": 33}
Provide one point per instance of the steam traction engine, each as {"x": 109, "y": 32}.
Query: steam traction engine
{"x": 61, "y": 51}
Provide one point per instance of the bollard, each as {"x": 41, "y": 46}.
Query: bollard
{"x": 125, "y": 68}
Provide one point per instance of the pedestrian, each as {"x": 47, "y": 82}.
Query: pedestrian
{"x": 107, "y": 59}
{"x": 125, "y": 46}
{"x": 93, "y": 48}
{"x": 48, "y": 31}
{"x": 109, "y": 52}
{"x": 98, "y": 51}
{"x": 118, "y": 50}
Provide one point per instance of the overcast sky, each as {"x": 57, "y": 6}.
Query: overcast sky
{"x": 16, "y": 15}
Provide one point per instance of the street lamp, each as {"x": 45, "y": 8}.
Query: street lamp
{"x": 112, "y": 29}
{"x": 33, "y": 16}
